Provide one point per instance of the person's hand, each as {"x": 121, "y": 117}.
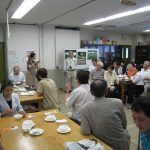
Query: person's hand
{"x": 8, "y": 112}
{"x": 23, "y": 113}
{"x": 67, "y": 87}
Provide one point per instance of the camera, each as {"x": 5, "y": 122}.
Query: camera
{"x": 70, "y": 67}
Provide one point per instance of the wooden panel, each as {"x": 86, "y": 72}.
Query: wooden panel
{"x": 2, "y": 62}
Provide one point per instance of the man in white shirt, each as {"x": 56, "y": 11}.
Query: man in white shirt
{"x": 93, "y": 65}
{"x": 146, "y": 75}
{"x": 71, "y": 65}
{"x": 79, "y": 96}
{"x": 137, "y": 88}
{"x": 17, "y": 76}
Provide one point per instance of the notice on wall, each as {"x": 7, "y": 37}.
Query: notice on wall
{"x": 84, "y": 57}
{"x": 13, "y": 60}
{"x": 81, "y": 60}
{"x": 91, "y": 54}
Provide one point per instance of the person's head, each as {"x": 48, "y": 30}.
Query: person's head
{"x": 146, "y": 65}
{"x": 116, "y": 64}
{"x": 16, "y": 70}
{"x": 141, "y": 113}
{"x": 32, "y": 56}
{"x": 94, "y": 61}
{"x": 7, "y": 88}
{"x": 98, "y": 87}
{"x": 110, "y": 68}
{"x": 129, "y": 66}
{"x": 99, "y": 65}
{"x": 41, "y": 73}
{"x": 122, "y": 64}
{"x": 83, "y": 76}
{"x": 70, "y": 54}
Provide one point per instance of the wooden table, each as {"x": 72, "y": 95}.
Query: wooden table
{"x": 49, "y": 140}
{"x": 32, "y": 99}
{"x": 123, "y": 84}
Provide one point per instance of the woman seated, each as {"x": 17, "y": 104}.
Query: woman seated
{"x": 111, "y": 77}
{"x": 131, "y": 70}
{"x": 9, "y": 101}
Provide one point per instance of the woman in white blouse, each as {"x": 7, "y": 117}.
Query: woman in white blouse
{"x": 9, "y": 101}
{"x": 111, "y": 77}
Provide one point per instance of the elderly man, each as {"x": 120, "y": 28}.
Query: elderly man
{"x": 71, "y": 66}
{"x": 105, "y": 118}
{"x": 98, "y": 72}
{"x": 17, "y": 76}
{"x": 79, "y": 96}
{"x": 146, "y": 75}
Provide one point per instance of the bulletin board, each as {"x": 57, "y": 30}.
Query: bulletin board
{"x": 84, "y": 57}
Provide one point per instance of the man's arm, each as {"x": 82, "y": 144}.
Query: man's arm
{"x": 85, "y": 126}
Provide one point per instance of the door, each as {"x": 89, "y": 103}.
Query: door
{"x": 2, "y": 62}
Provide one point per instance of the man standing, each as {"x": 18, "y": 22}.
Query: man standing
{"x": 17, "y": 76}
{"x": 71, "y": 64}
{"x": 105, "y": 118}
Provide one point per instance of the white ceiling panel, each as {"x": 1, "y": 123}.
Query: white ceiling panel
{"x": 75, "y": 12}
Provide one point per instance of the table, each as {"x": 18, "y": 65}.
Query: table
{"x": 49, "y": 140}
{"x": 123, "y": 83}
{"x": 32, "y": 99}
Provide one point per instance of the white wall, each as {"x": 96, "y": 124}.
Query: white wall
{"x": 121, "y": 38}
{"x": 65, "y": 39}
{"x": 48, "y": 49}
{"x": 23, "y": 38}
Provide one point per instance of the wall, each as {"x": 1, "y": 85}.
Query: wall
{"x": 65, "y": 39}
{"x": 23, "y": 38}
{"x": 121, "y": 38}
{"x": 48, "y": 49}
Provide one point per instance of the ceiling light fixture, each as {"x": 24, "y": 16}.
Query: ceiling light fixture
{"x": 120, "y": 15}
{"x": 146, "y": 30}
{"x": 24, "y": 8}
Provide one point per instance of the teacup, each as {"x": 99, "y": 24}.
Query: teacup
{"x": 18, "y": 116}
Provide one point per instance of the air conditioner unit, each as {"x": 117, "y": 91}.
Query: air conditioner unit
{"x": 128, "y": 2}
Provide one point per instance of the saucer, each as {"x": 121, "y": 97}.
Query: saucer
{"x": 50, "y": 118}
{"x": 63, "y": 129}
{"x": 36, "y": 131}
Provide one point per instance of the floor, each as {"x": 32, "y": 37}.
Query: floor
{"x": 132, "y": 129}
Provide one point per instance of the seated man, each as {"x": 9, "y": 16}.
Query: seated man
{"x": 98, "y": 72}
{"x": 17, "y": 75}
{"x": 93, "y": 65}
{"x": 79, "y": 96}
{"x": 48, "y": 89}
{"x": 136, "y": 89}
{"x": 105, "y": 118}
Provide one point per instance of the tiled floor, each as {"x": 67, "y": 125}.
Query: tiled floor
{"x": 132, "y": 129}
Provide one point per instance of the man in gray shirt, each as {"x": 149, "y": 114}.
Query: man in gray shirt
{"x": 105, "y": 118}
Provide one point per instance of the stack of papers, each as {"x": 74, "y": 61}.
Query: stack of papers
{"x": 28, "y": 93}
{"x": 85, "y": 144}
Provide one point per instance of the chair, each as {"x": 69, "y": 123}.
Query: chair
{"x": 146, "y": 87}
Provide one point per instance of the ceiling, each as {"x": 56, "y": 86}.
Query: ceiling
{"x": 73, "y": 13}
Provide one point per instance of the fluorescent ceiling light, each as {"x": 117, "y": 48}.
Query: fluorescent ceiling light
{"x": 120, "y": 15}
{"x": 146, "y": 30}
{"x": 24, "y": 8}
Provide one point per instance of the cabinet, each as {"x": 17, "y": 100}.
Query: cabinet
{"x": 111, "y": 53}
{"x": 142, "y": 53}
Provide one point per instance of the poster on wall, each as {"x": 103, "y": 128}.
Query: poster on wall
{"x": 92, "y": 54}
{"x": 84, "y": 57}
{"x": 81, "y": 60}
